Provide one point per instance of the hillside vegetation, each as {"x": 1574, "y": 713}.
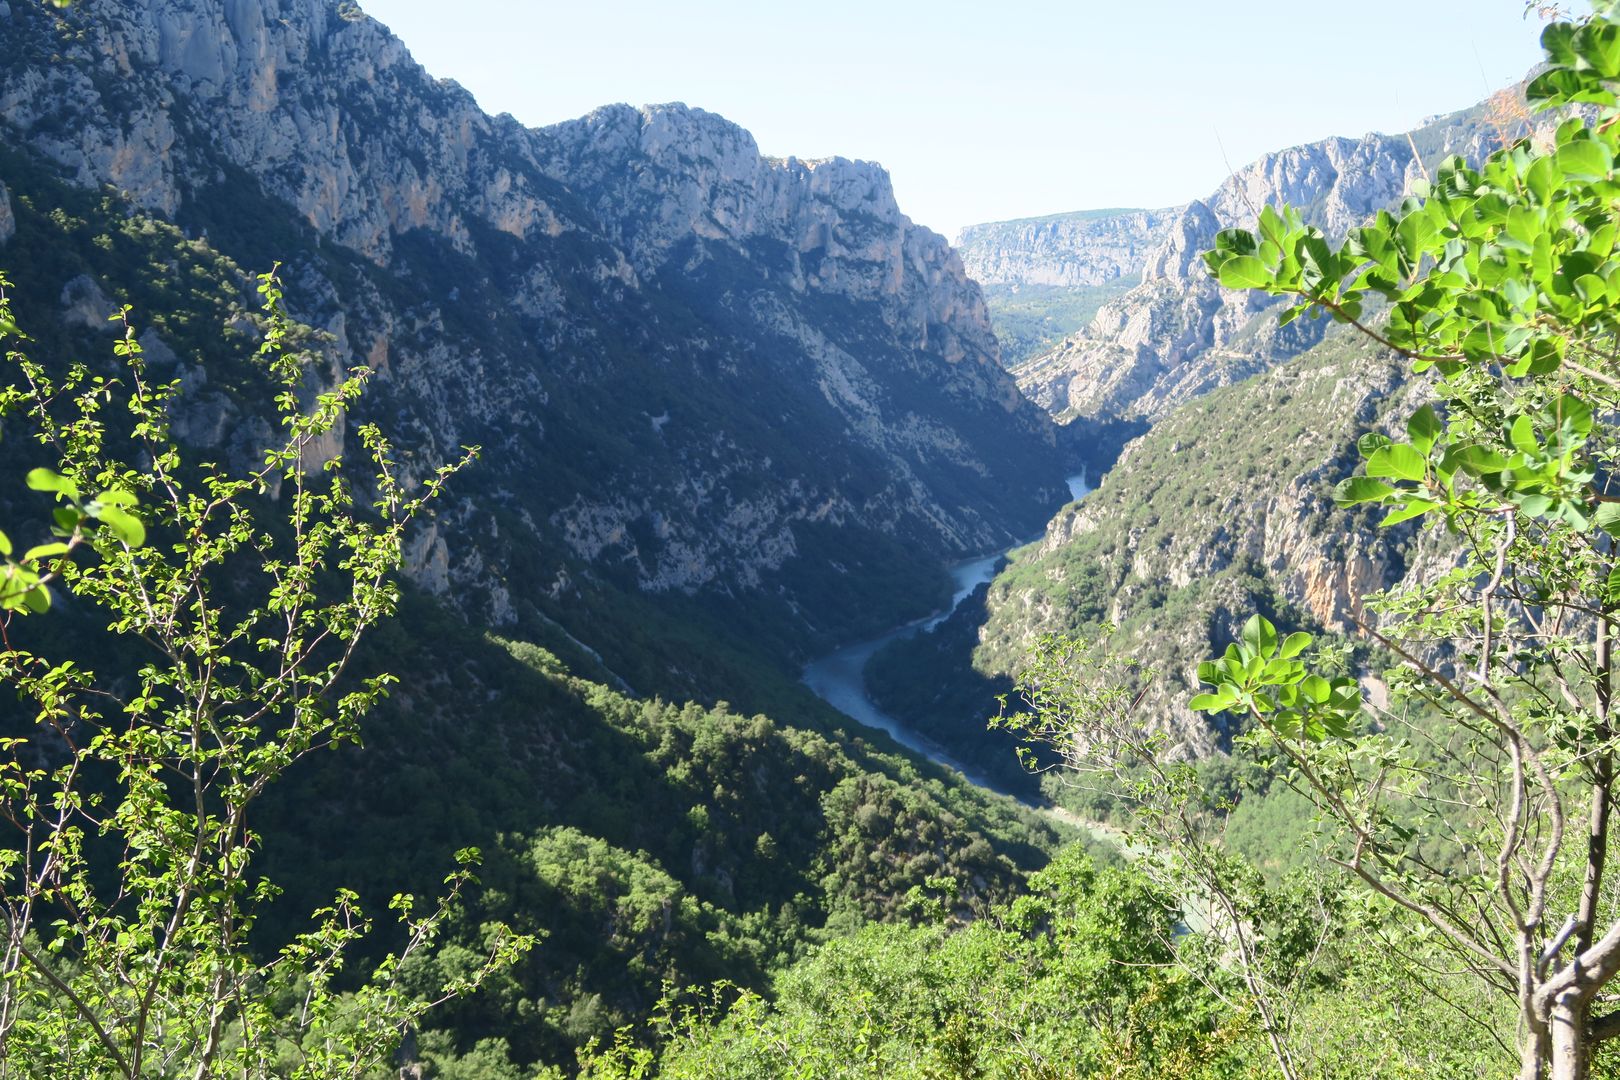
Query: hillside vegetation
{"x": 1154, "y": 552}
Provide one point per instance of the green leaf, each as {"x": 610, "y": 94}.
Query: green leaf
{"x": 1294, "y": 644}
{"x": 1598, "y": 43}
{"x": 1416, "y": 233}
{"x": 1533, "y": 505}
{"x": 43, "y": 551}
{"x": 1586, "y": 159}
{"x": 1245, "y": 272}
{"x": 1423, "y": 429}
{"x": 1410, "y": 509}
{"x": 124, "y": 525}
{"x": 1235, "y": 242}
{"x": 1260, "y": 636}
{"x": 1607, "y": 517}
{"x": 1591, "y": 289}
{"x": 47, "y": 480}
{"x": 1398, "y": 460}
{"x": 1477, "y": 460}
{"x": 1523, "y": 436}
{"x": 1370, "y": 443}
{"x": 1360, "y": 489}
{"x": 1574, "y": 417}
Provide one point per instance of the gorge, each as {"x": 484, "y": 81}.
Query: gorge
{"x": 773, "y": 495}
{"x": 840, "y": 677}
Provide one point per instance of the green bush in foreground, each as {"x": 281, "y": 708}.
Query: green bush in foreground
{"x": 127, "y": 881}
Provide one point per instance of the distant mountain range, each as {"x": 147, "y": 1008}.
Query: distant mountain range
{"x": 1176, "y": 334}
{"x": 1087, "y": 248}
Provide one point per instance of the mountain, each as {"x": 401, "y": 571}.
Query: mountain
{"x": 1045, "y": 278}
{"x": 1178, "y": 334}
{"x": 1223, "y": 507}
{"x": 1087, "y": 248}
{"x": 732, "y": 409}
{"x": 733, "y": 388}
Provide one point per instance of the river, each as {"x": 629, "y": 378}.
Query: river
{"x": 838, "y": 678}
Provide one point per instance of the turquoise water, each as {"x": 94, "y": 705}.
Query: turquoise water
{"x": 838, "y": 678}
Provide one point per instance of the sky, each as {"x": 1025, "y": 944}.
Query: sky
{"x": 985, "y": 112}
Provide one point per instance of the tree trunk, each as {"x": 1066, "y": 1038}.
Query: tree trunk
{"x": 1571, "y": 1045}
{"x": 1535, "y": 1053}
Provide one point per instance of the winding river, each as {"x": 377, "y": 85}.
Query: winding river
{"x": 838, "y": 678}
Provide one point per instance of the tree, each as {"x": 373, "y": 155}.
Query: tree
{"x": 1072, "y": 980}
{"x": 1479, "y": 800}
{"x": 232, "y": 608}
{"x": 1259, "y": 941}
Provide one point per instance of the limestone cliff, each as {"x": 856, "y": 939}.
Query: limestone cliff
{"x": 1089, "y": 248}
{"x": 1178, "y": 334}
{"x": 695, "y": 371}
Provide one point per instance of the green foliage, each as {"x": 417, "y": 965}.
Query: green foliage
{"x": 128, "y": 886}
{"x": 1070, "y": 981}
{"x": 643, "y": 843}
{"x": 1261, "y": 676}
{"x": 1452, "y": 802}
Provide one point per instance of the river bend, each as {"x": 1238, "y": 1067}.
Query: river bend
{"x": 839, "y": 677}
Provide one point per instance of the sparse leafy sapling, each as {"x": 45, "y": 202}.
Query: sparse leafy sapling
{"x": 232, "y": 605}
{"x": 1082, "y": 701}
{"x": 1479, "y": 799}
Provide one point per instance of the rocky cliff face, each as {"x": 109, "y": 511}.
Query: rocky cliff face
{"x": 1069, "y": 250}
{"x": 1178, "y": 334}
{"x": 694, "y": 370}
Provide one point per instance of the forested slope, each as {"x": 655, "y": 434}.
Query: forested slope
{"x": 1211, "y": 515}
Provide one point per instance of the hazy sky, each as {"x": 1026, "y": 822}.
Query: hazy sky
{"x": 986, "y": 111}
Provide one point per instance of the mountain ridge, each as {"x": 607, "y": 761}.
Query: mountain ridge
{"x": 1179, "y": 334}
{"x": 1081, "y": 248}
{"x": 564, "y": 296}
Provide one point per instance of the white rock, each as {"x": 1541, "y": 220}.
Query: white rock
{"x": 155, "y": 349}
{"x": 84, "y": 304}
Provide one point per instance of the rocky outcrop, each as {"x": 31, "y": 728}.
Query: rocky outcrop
{"x": 694, "y": 369}
{"x": 1206, "y": 520}
{"x": 85, "y": 305}
{"x": 8, "y": 221}
{"x": 1088, "y": 248}
{"x": 1178, "y": 334}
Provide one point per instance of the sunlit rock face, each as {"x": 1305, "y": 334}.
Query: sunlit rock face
{"x": 1066, "y": 250}
{"x": 1178, "y": 334}
{"x": 690, "y": 367}
{"x": 8, "y": 221}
